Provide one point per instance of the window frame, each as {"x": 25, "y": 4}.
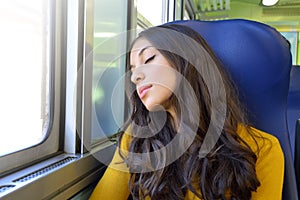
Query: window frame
{"x": 50, "y": 145}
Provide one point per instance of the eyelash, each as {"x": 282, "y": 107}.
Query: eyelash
{"x": 149, "y": 59}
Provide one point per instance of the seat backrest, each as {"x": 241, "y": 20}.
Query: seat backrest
{"x": 293, "y": 115}
{"x": 259, "y": 61}
{"x": 293, "y": 110}
{"x": 297, "y": 153}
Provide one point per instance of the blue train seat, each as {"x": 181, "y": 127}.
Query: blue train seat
{"x": 259, "y": 60}
{"x": 293, "y": 114}
{"x": 293, "y": 110}
{"x": 297, "y": 153}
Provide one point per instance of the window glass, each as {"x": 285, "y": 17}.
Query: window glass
{"x": 179, "y": 8}
{"x": 185, "y": 15}
{"x": 292, "y": 37}
{"x": 110, "y": 23}
{"x": 24, "y": 74}
{"x": 152, "y": 10}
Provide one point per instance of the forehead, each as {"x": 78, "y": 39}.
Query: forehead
{"x": 139, "y": 45}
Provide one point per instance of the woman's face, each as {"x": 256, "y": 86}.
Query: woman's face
{"x": 154, "y": 77}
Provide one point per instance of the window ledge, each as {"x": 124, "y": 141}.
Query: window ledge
{"x": 59, "y": 177}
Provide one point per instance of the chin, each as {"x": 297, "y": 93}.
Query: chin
{"x": 154, "y": 107}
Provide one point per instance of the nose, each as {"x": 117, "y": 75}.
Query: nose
{"x": 136, "y": 77}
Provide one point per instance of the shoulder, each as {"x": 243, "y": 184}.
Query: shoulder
{"x": 261, "y": 143}
{"x": 270, "y": 162}
{"x": 125, "y": 140}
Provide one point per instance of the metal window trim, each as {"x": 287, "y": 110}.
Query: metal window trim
{"x": 63, "y": 182}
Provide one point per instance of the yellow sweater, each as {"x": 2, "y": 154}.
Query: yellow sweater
{"x": 269, "y": 168}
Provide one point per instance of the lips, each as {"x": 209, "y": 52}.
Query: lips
{"x": 142, "y": 91}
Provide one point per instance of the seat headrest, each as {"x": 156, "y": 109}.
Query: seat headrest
{"x": 258, "y": 60}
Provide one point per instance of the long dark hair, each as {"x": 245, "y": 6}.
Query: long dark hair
{"x": 225, "y": 168}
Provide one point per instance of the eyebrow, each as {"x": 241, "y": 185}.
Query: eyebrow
{"x": 143, "y": 49}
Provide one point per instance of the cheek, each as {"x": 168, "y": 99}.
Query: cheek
{"x": 165, "y": 92}
{"x": 165, "y": 77}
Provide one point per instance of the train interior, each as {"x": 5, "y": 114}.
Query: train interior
{"x": 80, "y": 101}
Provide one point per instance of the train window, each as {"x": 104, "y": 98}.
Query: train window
{"x": 292, "y": 37}
{"x": 186, "y": 15}
{"x": 109, "y": 49}
{"x": 179, "y": 9}
{"x": 151, "y": 13}
{"x": 28, "y": 129}
{"x": 24, "y": 77}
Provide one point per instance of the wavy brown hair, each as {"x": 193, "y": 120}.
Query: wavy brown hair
{"x": 227, "y": 169}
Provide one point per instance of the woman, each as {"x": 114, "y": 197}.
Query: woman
{"x": 187, "y": 136}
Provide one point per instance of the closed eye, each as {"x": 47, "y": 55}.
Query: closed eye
{"x": 149, "y": 59}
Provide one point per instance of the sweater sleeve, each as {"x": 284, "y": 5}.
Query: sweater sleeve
{"x": 270, "y": 171}
{"x": 114, "y": 183}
